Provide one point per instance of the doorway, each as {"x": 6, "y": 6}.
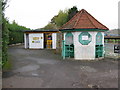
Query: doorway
{"x": 68, "y": 46}
{"x": 99, "y": 45}
{"x": 27, "y": 40}
{"x": 48, "y": 40}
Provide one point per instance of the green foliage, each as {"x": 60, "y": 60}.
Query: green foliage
{"x": 11, "y": 33}
{"x": 71, "y": 12}
{"x": 50, "y": 26}
{"x": 5, "y": 40}
{"x": 7, "y": 65}
{"x": 0, "y": 33}
{"x": 61, "y": 18}
{"x": 15, "y": 33}
{"x": 4, "y": 2}
{"x": 5, "y": 34}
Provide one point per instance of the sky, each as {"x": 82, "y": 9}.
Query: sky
{"x": 119, "y": 15}
{"x": 38, "y": 13}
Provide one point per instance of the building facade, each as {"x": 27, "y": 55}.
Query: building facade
{"x": 83, "y": 37}
{"x": 40, "y": 39}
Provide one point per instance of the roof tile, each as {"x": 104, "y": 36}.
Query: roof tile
{"x": 83, "y": 20}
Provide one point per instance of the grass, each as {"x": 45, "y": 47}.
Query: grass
{"x": 7, "y": 66}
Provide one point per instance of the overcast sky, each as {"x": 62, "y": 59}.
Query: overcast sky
{"x": 37, "y": 13}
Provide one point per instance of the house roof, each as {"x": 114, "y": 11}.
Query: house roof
{"x": 83, "y": 20}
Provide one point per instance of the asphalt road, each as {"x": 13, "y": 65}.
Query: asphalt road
{"x": 45, "y": 69}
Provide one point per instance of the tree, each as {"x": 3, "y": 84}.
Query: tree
{"x": 8, "y": 31}
{"x": 16, "y": 33}
{"x": 5, "y": 34}
{"x": 60, "y": 19}
{"x": 50, "y": 26}
{"x": 71, "y": 12}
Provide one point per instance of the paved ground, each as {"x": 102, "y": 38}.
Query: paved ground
{"x": 45, "y": 69}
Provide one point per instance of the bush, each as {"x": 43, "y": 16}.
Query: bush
{"x": 16, "y": 34}
{"x": 5, "y": 40}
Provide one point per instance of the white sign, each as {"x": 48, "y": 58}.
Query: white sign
{"x": 84, "y": 37}
{"x": 36, "y": 40}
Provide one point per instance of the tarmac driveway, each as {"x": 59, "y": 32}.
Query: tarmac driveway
{"x": 45, "y": 69}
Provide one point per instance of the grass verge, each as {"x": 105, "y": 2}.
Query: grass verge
{"x": 7, "y": 66}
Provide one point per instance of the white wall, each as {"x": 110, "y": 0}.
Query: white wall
{"x": 82, "y": 52}
{"x": 64, "y": 36}
{"x": 103, "y": 42}
{"x": 54, "y": 38}
{"x": 85, "y": 52}
{"x": 25, "y": 41}
{"x": 38, "y": 44}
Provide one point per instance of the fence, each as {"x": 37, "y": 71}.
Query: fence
{"x": 109, "y": 51}
{"x": 112, "y": 40}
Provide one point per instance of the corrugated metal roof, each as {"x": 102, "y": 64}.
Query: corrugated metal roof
{"x": 83, "y": 20}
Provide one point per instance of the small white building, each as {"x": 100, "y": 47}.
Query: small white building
{"x": 40, "y": 39}
{"x": 83, "y": 37}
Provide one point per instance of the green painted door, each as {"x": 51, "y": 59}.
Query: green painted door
{"x": 99, "y": 45}
{"x": 67, "y": 46}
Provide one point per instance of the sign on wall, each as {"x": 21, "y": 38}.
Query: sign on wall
{"x": 36, "y": 40}
{"x": 85, "y": 38}
{"x": 116, "y": 48}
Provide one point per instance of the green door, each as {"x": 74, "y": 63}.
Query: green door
{"x": 67, "y": 46}
{"x": 99, "y": 45}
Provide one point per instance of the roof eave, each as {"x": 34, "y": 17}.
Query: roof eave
{"x": 73, "y": 30}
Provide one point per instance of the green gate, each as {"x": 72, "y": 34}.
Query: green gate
{"x": 99, "y": 45}
{"x": 67, "y": 46}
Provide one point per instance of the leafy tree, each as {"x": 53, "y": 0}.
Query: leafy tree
{"x": 5, "y": 41}
{"x": 71, "y": 12}
{"x": 64, "y": 16}
{"x": 5, "y": 32}
{"x": 60, "y": 19}
{"x": 50, "y": 26}
{"x": 16, "y": 33}
{"x": 53, "y": 19}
